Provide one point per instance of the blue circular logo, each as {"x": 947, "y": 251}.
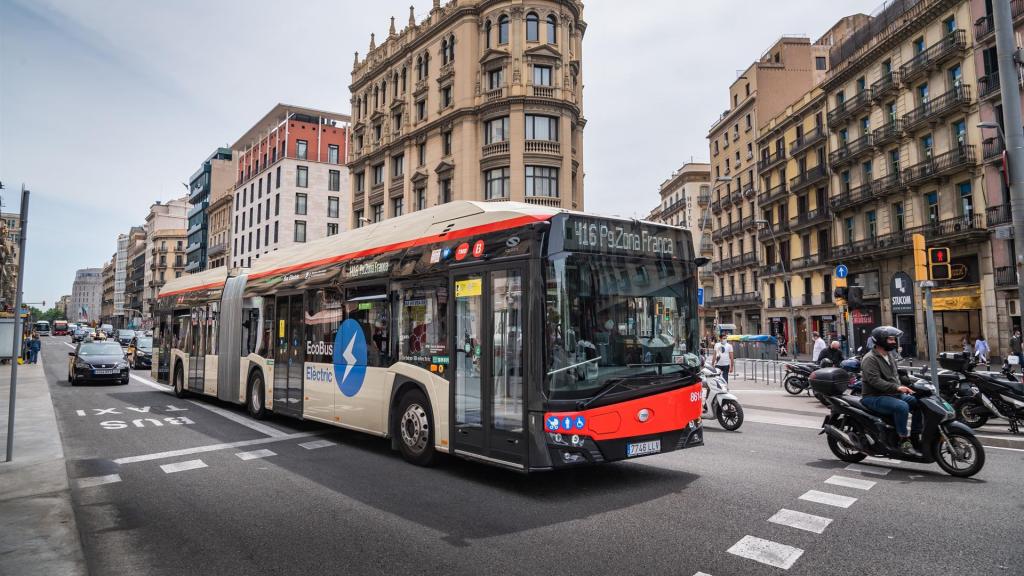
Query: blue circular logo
{"x": 350, "y": 357}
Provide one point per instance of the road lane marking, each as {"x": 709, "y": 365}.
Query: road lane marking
{"x": 210, "y": 448}
{"x": 793, "y": 423}
{"x": 851, "y": 482}
{"x": 766, "y": 552}
{"x": 876, "y": 470}
{"x": 151, "y": 384}
{"x": 828, "y": 498}
{"x": 702, "y": 574}
{"x": 801, "y": 521}
{"x": 182, "y": 466}
{"x": 252, "y": 455}
{"x": 97, "y": 480}
{"x": 316, "y": 444}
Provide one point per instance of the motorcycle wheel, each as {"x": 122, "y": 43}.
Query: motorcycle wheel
{"x": 966, "y": 414}
{"x": 964, "y": 458}
{"x": 843, "y": 452}
{"x": 792, "y": 385}
{"x": 730, "y": 415}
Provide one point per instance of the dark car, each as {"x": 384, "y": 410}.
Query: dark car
{"x": 97, "y": 362}
{"x": 140, "y": 352}
{"x": 124, "y": 337}
{"x": 78, "y": 334}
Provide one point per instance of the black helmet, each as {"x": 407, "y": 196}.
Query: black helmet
{"x": 882, "y": 334}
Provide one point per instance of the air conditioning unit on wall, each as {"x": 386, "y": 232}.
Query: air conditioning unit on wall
{"x": 1014, "y": 306}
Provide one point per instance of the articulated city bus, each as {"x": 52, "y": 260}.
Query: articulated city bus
{"x": 507, "y": 333}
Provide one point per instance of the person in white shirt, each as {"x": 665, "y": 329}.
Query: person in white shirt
{"x": 819, "y": 347}
{"x": 724, "y": 359}
{"x": 981, "y": 349}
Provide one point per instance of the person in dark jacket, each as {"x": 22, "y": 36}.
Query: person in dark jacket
{"x": 34, "y": 346}
{"x": 833, "y": 354}
{"x": 884, "y": 394}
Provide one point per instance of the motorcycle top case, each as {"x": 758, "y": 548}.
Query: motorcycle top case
{"x": 830, "y": 381}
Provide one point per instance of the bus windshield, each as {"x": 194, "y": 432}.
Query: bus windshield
{"x": 611, "y": 318}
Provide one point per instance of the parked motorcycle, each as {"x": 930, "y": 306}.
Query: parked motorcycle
{"x": 852, "y": 367}
{"x": 797, "y": 374}
{"x": 718, "y": 402}
{"x": 854, "y": 432}
{"x": 991, "y": 394}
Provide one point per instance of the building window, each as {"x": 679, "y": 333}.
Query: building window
{"x": 819, "y": 63}
{"x": 542, "y": 181}
{"x": 334, "y": 180}
{"x": 300, "y": 204}
{"x": 966, "y": 201}
{"x": 332, "y": 206}
{"x": 378, "y": 212}
{"x": 421, "y": 154}
{"x": 332, "y": 228}
{"x": 360, "y": 181}
{"x": 541, "y": 128}
{"x": 542, "y": 75}
{"x": 300, "y": 230}
{"x": 421, "y": 109}
{"x": 358, "y": 218}
{"x": 848, "y": 230}
{"x": 487, "y": 34}
{"x": 495, "y": 78}
{"x": 496, "y": 130}
{"x": 277, "y": 204}
{"x": 300, "y": 149}
{"x": 421, "y": 199}
{"x": 397, "y": 166}
{"x": 332, "y": 153}
{"x": 532, "y": 27}
{"x": 378, "y": 174}
{"x": 444, "y": 51}
{"x": 378, "y": 132}
{"x": 552, "y": 29}
{"x": 396, "y": 122}
{"x": 275, "y": 232}
{"x": 899, "y": 220}
{"x": 446, "y": 142}
{"x": 871, "y": 218}
{"x": 446, "y": 96}
{"x": 446, "y": 191}
{"x": 496, "y": 183}
{"x": 503, "y": 29}
{"x": 302, "y": 176}
{"x": 397, "y": 206}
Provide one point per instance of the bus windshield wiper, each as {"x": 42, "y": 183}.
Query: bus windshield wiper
{"x": 613, "y": 384}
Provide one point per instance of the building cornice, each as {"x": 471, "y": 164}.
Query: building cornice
{"x": 723, "y": 122}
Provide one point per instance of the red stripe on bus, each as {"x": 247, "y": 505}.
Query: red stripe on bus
{"x": 666, "y": 412}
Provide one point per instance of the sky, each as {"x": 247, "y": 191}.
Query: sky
{"x": 107, "y": 106}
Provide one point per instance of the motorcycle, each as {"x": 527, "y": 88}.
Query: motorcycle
{"x": 854, "y": 432}
{"x": 797, "y": 374}
{"x": 719, "y": 402}
{"x": 991, "y": 394}
{"x": 852, "y": 367}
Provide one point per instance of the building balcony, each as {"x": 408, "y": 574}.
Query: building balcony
{"x": 955, "y": 43}
{"x": 716, "y": 207}
{"x": 988, "y": 86}
{"x": 890, "y": 132}
{"x": 193, "y": 248}
{"x": 854, "y": 197}
{"x": 542, "y": 91}
{"x": 807, "y": 140}
{"x": 769, "y": 161}
{"x": 983, "y": 27}
{"x": 810, "y": 218}
{"x": 846, "y": 109}
{"x": 956, "y": 160}
{"x": 549, "y": 201}
{"x": 495, "y": 94}
{"x": 726, "y": 201}
{"x": 992, "y": 148}
{"x": 736, "y": 262}
{"x": 807, "y": 179}
{"x": 217, "y": 249}
{"x": 773, "y": 269}
{"x": 1006, "y": 277}
{"x": 749, "y": 223}
{"x": 552, "y": 147}
{"x": 807, "y": 262}
{"x": 886, "y": 85}
{"x": 707, "y": 246}
{"x": 959, "y": 229}
{"x": 197, "y": 207}
{"x": 933, "y": 111}
{"x": 744, "y": 299}
{"x": 775, "y": 230}
{"x": 736, "y": 197}
{"x": 772, "y": 194}
{"x": 749, "y": 192}
{"x": 851, "y": 150}
{"x": 999, "y": 215}
{"x": 703, "y": 199}
{"x": 494, "y": 149}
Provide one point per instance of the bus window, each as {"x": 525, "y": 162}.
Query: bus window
{"x": 181, "y": 330}
{"x": 250, "y": 330}
{"x": 422, "y": 326}
{"x": 324, "y": 314}
{"x": 267, "y": 342}
{"x": 368, "y": 305}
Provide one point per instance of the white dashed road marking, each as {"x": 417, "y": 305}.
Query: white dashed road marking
{"x": 98, "y": 480}
{"x": 316, "y": 444}
{"x": 255, "y": 454}
{"x": 801, "y": 521}
{"x": 209, "y": 448}
{"x": 828, "y": 498}
{"x": 766, "y": 552}
{"x": 182, "y": 466}
{"x": 851, "y": 482}
{"x": 702, "y": 574}
{"x": 876, "y": 470}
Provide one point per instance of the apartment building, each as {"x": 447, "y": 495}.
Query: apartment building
{"x": 219, "y": 252}
{"x": 135, "y": 282}
{"x": 907, "y": 158}
{"x": 208, "y": 184}
{"x": 64, "y": 305}
{"x": 481, "y": 100}
{"x": 10, "y": 236}
{"x": 165, "y": 248}
{"x": 291, "y": 181}
{"x": 122, "y": 266}
{"x": 107, "y": 298}
{"x": 86, "y": 295}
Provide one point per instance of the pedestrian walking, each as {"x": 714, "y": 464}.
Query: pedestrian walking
{"x": 1015, "y": 348}
{"x": 724, "y": 359}
{"x": 819, "y": 347}
{"x": 34, "y": 346}
{"x": 966, "y": 345}
{"x": 981, "y": 349}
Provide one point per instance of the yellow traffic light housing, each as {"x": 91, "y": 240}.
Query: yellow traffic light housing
{"x": 920, "y": 258}
{"x": 938, "y": 264}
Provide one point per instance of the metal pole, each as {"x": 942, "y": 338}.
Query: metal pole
{"x": 17, "y": 323}
{"x": 933, "y": 345}
{"x": 1006, "y": 55}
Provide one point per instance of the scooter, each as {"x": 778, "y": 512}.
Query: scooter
{"x": 718, "y": 402}
{"x": 854, "y": 432}
{"x": 992, "y": 395}
{"x": 797, "y": 374}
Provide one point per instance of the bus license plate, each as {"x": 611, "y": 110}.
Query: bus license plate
{"x": 98, "y": 372}
{"x": 641, "y": 448}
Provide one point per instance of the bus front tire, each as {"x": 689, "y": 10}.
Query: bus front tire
{"x": 179, "y": 381}
{"x": 414, "y": 429}
{"x": 255, "y": 399}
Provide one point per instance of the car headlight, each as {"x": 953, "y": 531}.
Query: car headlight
{"x": 122, "y": 365}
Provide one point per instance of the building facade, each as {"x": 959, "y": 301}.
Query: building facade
{"x": 135, "y": 282}
{"x": 86, "y": 295}
{"x": 107, "y": 301}
{"x": 481, "y": 100}
{"x": 291, "y": 181}
{"x": 208, "y": 184}
{"x": 219, "y": 252}
{"x": 10, "y": 237}
{"x": 166, "y": 238}
{"x": 64, "y": 306}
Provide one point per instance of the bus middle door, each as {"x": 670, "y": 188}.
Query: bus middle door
{"x": 289, "y": 355}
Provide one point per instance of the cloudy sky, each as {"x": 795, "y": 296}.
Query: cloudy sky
{"x": 107, "y": 106}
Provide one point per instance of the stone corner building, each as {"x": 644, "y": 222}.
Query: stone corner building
{"x": 482, "y": 100}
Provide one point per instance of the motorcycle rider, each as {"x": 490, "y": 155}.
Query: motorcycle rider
{"x": 882, "y": 391}
{"x": 834, "y": 355}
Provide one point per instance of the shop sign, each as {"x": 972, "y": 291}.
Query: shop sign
{"x": 901, "y": 292}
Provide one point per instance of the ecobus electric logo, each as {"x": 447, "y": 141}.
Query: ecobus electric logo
{"x": 349, "y": 357}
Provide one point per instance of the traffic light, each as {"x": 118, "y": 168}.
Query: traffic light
{"x": 841, "y": 293}
{"x": 938, "y": 264}
{"x": 920, "y": 259}
{"x": 855, "y": 297}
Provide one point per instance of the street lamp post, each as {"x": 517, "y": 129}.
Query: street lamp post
{"x": 785, "y": 278}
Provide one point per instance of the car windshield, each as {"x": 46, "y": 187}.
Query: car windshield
{"x": 144, "y": 344}
{"x": 126, "y": 333}
{"x": 100, "y": 349}
{"x": 615, "y": 319}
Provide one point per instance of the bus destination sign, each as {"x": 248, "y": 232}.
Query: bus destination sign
{"x": 609, "y": 236}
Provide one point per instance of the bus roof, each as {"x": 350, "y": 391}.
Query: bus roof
{"x": 450, "y": 221}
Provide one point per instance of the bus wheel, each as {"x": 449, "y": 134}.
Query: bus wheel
{"x": 413, "y": 429}
{"x": 179, "y": 381}
{"x": 256, "y": 405}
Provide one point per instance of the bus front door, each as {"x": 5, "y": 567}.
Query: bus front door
{"x": 289, "y": 355}
{"x": 488, "y": 402}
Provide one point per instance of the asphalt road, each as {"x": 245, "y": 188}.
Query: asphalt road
{"x": 169, "y": 486}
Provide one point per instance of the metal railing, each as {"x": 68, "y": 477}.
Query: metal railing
{"x": 851, "y": 149}
{"x": 772, "y": 194}
{"x": 937, "y": 107}
{"x": 992, "y": 148}
{"x": 998, "y": 215}
{"x": 848, "y": 108}
{"x": 888, "y": 132}
{"x": 768, "y": 162}
{"x": 1006, "y": 276}
{"x": 888, "y": 83}
{"x": 988, "y": 85}
{"x": 955, "y": 41}
{"x": 957, "y": 159}
{"x": 807, "y": 178}
{"x": 807, "y": 140}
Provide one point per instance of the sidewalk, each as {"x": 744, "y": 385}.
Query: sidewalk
{"x": 38, "y": 534}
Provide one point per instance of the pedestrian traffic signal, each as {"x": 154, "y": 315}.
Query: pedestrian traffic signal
{"x": 920, "y": 258}
{"x": 938, "y": 264}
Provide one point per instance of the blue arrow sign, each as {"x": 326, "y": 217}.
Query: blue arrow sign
{"x": 842, "y": 271}
{"x": 700, "y": 296}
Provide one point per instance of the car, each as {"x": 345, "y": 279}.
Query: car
{"x": 124, "y": 336}
{"x": 107, "y": 329}
{"x": 78, "y": 334}
{"x": 140, "y": 352}
{"x": 97, "y": 362}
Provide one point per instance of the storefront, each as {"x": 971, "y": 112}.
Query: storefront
{"x": 865, "y": 319}
{"x": 826, "y": 325}
{"x": 957, "y": 306}
{"x": 778, "y": 326}
{"x": 902, "y": 302}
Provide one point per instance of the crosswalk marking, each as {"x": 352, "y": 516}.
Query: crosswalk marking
{"x": 801, "y": 521}
{"x": 828, "y": 498}
{"x": 702, "y": 574}
{"x": 182, "y": 466}
{"x": 316, "y": 444}
{"x": 766, "y": 552}
{"x": 876, "y": 470}
{"x": 255, "y": 454}
{"x": 851, "y": 482}
{"x": 98, "y": 480}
